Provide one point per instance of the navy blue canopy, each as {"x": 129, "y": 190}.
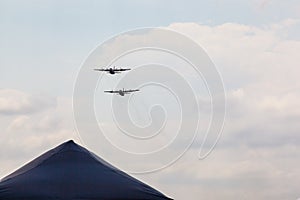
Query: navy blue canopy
{"x": 71, "y": 172}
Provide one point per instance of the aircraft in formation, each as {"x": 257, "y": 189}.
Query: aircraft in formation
{"x": 113, "y": 70}
{"x": 121, "y": 92}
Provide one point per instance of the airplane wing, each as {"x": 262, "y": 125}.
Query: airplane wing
{"x": 102, "y": 70}
{"x": 122, "y": 69}
{"x": 111, "y": 91}
{"x": 131, "y": 90}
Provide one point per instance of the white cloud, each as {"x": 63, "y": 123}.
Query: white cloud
{"x": 17, "y": 102}
{"x": 31, "y": 126}
{"x": 258, "y": 152}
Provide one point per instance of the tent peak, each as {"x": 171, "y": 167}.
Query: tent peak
{"x": 70, "y": 142}
{"x": 69, "y": 145}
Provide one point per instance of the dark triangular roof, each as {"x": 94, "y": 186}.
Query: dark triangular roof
{"x": 71, "y": 172}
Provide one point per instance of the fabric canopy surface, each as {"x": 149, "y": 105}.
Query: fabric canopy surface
{"x": 71, "y": 172}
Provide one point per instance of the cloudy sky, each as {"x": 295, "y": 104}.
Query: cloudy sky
{"x": 255, "y": 45}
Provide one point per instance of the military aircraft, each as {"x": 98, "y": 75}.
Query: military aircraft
{"x": 112, "y": 70}
{"x": 121, "y": 92}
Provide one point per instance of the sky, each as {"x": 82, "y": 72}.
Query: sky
{"x": 254, "y": 44}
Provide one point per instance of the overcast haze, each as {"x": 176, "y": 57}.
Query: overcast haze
{"x": 255, "y": 45}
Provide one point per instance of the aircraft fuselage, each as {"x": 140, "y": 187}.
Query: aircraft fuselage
{"x": 121, "y": 93}
{"x": 111, "y": 71}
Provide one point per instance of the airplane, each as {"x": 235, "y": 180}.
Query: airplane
{"x": 113, "y": 70}
{"x": 121, "y": 92}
